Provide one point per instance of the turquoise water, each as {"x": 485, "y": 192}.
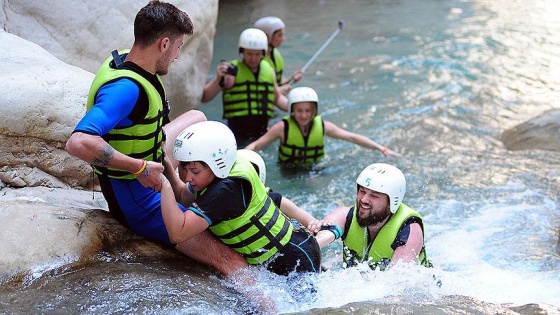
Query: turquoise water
{"x": 438, "y": 81}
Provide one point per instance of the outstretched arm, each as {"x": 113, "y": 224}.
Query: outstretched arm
{"x": 334, "y": 131}
{"x": 290, "y": 209}
{"x": 286, "y": 84}
{"x": 325, "y": 229}
{"x": 275, "y": 132}
{"x": 298, "y": 75}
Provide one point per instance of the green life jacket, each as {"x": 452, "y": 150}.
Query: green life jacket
{"x": 141, "y": 140}
{"x": 277, "y": 62}
{"x": 262, "y": 230}
{"x": 300, "y": 150}
{"x": 250, "y": 95}
{"x": 355, "y": 241}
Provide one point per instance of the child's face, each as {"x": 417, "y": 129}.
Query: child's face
{"x": 303, "y": 112}
{"x": 197, "y": 174}
{"x": 277, "y": 38}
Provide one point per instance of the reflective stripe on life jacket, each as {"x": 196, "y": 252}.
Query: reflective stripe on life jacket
{"x": 262, "y": 230}
{"x": 250, "y": 95}
{"x": 355, "y": 240}
{"x": 141, "y": 140}
{"x": 300, "y": 150}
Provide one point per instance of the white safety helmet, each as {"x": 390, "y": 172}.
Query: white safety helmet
{"x": 269, "y": 25}
{"x": 253, "y": 38}
{"x": 387, "y": 179}
{"x": 302, "y": 94}
{"x": 256, "y": 160}
{"x": 211, "y": 142}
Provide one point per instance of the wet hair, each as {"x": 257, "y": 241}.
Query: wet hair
{"x": 160, "y": 19}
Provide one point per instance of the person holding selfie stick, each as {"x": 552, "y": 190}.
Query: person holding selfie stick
{"x": 249, "y": 87}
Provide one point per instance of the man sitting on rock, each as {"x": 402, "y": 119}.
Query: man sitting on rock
{"x": 123, "y": 132}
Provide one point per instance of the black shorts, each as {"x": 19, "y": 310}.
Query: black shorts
{"x": 301, "y": 254}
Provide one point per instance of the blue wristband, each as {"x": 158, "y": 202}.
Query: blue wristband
{"x": 334, "y": 229}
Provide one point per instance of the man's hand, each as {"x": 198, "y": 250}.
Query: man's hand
{"x": 151, "y": 176}
{"x": 314, "y": 226}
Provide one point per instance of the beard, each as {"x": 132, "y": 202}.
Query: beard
{"x": 371, "y": 219}
{"x": 163, "y": 64}
{"x": 161, "y": 68}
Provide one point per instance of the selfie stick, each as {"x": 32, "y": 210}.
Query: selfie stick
{"x": 340, "y": 24}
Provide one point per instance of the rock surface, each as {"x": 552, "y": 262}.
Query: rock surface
{"x": 50, "y": 51}
{"x": 46, "y": 228}
{"x": 84, "y": 33}
{"x": 41, "y": 102}
{"x": 539, "y": 133}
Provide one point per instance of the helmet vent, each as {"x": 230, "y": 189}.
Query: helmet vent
{"x": 220, "y": 163}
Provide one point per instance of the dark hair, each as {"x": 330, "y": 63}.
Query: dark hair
{"x": 160, "y": 19}
{"x": 183, "y": 164}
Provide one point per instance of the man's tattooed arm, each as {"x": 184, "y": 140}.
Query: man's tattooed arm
{"x": 105, "y": 155}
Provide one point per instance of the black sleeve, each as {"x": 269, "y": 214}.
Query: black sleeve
{"x": 276, "y": 197}
{"x": 404, "y": 232}
{"x": 225, "y": 199}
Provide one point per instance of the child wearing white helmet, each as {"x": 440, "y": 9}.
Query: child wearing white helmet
{"x": 275, "y": 29}
{"x": 249, "y": 88}
{"x": 379, "y": 229}
{"x": 302, "y": 133}
{"x": 223, "y": 192}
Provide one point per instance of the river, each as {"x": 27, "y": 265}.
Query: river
{"x": 438, "y": 81}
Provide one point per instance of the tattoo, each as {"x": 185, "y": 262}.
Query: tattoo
{"x": 105, "y": 156}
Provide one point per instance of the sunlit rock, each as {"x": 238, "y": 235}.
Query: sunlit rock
{"x": 540, "y": 133}
{"x": 44, "y": 228}
{"x": 42, "y": 99}
{"x": 50, "y": 52}
{"x": 84, "y": 33}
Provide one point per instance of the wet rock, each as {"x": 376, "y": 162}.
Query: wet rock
{"x": 47, "y": 68}
{"x": 27, "y": 176}
{"x": 540, "y": 133}
{"x": 44, "y": 228}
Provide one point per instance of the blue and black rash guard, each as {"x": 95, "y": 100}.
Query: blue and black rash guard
{"x": 118, "y": 104}
{"x": 230, "y": 196}
{"x": 122, "y": 103}
{"x": 115, "y": 102}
